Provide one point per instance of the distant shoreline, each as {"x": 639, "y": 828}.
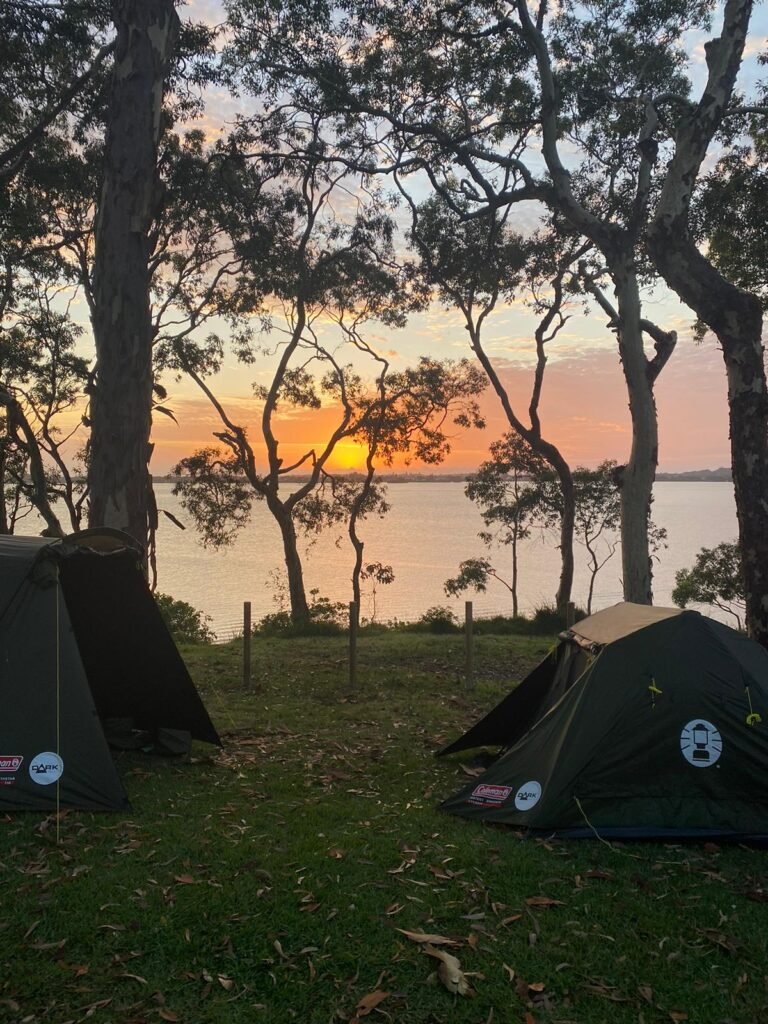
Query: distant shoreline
{"x": 717, "y": 476}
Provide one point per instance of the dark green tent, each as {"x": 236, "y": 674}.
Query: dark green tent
{"x": 82, "y": 645}
{"x": 643, "y": 722}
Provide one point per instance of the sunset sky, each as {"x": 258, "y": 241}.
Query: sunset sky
{"x": 584, "y": 408}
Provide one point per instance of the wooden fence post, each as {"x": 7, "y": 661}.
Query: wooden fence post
{"x": 354, "y": 621}
{"x": 246, "y": 645}
{"x": 469, "y": 664}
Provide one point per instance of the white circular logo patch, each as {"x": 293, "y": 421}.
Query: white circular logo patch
{"x": 46, "y": 768}
{"x": 701, "y": 743}
{"x": 528, "y": 796}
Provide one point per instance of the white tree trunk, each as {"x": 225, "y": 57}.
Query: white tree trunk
{"x": 121, "y": 403}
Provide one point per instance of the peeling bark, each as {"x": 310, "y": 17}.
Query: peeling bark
{"x": 121, "y": 403}
{"x": 734, "y": 315}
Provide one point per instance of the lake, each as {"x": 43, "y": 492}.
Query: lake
{"x": 430, "y": 529}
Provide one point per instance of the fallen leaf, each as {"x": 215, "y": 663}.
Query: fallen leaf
{"x": 367, "y": 1003}
{"x": 677, "y": 1015}
{"x": 337, "y": 853}
{"x": 226, "y": 983}
{"x": 646, "y": 992}
{"x": 133, "y": 977}
{"x": 450, "y": 973}
{"x": 168, "y": 1014}
{"x": 543, "y": 901}
{"x": 184, "y": 879}
{"x": 435, "y": 940}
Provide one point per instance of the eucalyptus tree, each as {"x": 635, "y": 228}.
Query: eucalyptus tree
{"x": 318, "y": 263}
{"x": 121, "y": 396}
{"x": 504, "y": 490}
{"x": 476, "y": 264}
{"x": 466, "y": 94}
{"x": 41, "y": 378}
{"x": 725, "y": 284}
{"x": 53, "y": 58}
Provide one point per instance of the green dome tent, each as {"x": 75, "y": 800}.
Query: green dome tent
{"x": 643, "y": 722}
{"x": 82, "y": 646}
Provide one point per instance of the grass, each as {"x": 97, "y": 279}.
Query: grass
{"x": 268, "y": 882}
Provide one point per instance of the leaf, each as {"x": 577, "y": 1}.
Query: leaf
{"x": 646, "y": 992}
{"x": 184, "y": 879}
{"x": 132, "y": 977}
{"x": 226, "y": 983}
{"x": 168, "y": 1014}
{"x": 598, "y": 873}
{"x": 165, "y": 412}
{"x": 435, "y": 940}
{"x": 543, "y": 901}
{"x": 677, "y": 1015}
{"x": 172, "y": 517}
{"x": 337, "y": 853}
{"x": 369, "y": 1002}
{"x": 449, "y": 972}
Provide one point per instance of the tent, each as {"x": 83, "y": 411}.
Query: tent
{"x": 83, "y": 648}
{"x": 643, "y": 722}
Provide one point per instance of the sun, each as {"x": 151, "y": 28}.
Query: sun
{"x": 349, "y": 457}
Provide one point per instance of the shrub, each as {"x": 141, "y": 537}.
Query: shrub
{"x": 187, "y": 624}
{"x": 439, "y": 620}
{"x": 326, "y": 618}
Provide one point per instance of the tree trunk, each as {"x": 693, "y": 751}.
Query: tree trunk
{"x": 514, "y": 571}
{"x": 736, "y": 318}
{"x": 636, "y": 478}
{"x": 734, "y": 315}
{"x": 567, "y": 526}
{"x": 296, "y": 592}
{"x": 551, "y": 455}
{"x": 121, "y": 403}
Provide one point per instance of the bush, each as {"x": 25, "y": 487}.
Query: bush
{"x": 326, "y": 618}
{"x": 438, "y": 620}
{"x": 187, "y": 625}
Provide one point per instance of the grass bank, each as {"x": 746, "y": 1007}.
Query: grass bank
{"x": 275, "y": 881}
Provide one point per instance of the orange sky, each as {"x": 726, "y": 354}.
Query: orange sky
{"x": 584, "y": 409}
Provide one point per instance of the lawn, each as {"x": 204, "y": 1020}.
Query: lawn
{"x": 277, "y": 880}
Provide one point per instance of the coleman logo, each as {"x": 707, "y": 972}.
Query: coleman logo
{"x": 701, "y": 743}
{"x": 493, "y": 796}
{"x": 10, "y": 762}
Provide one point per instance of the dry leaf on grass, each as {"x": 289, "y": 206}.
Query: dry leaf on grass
{"x": 543, "y": 901}
{"x": 435, "y": 940}
{"x": 367, "y": 1003}
{"x": 450, "y": 973}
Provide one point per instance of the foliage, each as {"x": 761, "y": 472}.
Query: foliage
{"x": 714, "y": 579}
{"x": 187, "y": 624}
{"x": 326, "y": 618}
{"x": 512, "y": 506}
{"x": 438, "y": 619}
{"x": 214, "y": 493}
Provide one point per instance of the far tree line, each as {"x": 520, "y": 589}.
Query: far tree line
{"x": 384, "y": 157}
